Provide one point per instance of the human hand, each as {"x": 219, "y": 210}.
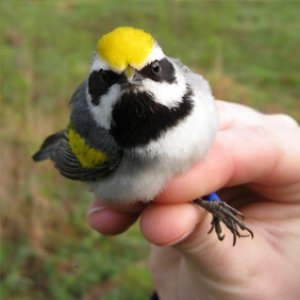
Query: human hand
{"x": 255, "y": 166}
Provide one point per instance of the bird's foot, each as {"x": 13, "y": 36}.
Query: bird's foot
{"x": 223, "y": 212}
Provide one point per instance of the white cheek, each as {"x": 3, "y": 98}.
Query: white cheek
{"x": 165, "y": 93}
{"x": 102, "y": 112}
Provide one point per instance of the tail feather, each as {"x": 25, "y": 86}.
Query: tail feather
{"x": 48, "y": 146}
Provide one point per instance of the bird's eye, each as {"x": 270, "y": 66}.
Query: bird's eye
{"x": 155, "y": 68}
{"x": 103, "y": 76}
{"x": 160, "y": 71}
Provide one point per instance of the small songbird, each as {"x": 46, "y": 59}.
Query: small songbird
{"x": 137, "y": 120}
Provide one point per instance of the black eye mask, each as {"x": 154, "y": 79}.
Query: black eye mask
{"x": 99, "y": 83}
{"x": 160, "y": 71}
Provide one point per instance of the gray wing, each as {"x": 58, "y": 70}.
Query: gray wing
{"x": 56, "y": 147}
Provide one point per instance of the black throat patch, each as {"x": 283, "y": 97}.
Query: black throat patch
{"x": 138, "y": 119}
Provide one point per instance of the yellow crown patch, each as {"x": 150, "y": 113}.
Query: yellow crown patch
{"x": 125, "y": 46}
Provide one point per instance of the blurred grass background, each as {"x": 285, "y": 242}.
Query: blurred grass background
{"x": 249, "y": 51}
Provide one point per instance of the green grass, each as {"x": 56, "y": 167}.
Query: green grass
{"x": 247, "y": 49}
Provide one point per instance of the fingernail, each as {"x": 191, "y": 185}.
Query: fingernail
{"x": 95, "y": 207}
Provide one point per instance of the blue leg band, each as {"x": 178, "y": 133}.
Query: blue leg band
{"x": 212, "y": 197}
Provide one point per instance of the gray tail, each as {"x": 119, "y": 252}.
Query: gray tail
{"x": 49, "y": 146}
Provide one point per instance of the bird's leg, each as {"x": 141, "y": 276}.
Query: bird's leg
{"x": 223, "y": 212}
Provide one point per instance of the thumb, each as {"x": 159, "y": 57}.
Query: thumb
{"x": 184, "y": 226}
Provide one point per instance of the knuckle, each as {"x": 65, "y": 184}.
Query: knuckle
{"x": 284, "y": 120}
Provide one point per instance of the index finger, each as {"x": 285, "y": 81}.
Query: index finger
{"x": 239, "y": 156}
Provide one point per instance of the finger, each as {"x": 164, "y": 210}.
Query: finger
{"x": 109, "y": 221}
{"x": 239, "y": 156}
{"x": 175, "y": 224}
{"x": 184, "y": 226}
{"x": 231, "y": 161}
{"x": 237, "y": 115}
{"x": 234, "y": 114}
{"x": 168, "y": 224}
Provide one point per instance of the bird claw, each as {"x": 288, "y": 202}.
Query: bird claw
{"x": 223, "y": 212}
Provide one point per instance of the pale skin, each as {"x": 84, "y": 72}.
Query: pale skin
{"x": 255, "y": 165}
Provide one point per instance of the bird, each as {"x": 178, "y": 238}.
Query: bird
{"x": 139, "y": 118}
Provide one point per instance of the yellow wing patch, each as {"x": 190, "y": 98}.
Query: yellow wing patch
{"x": 87, "y": 156}
{"x": 125, "y": 46}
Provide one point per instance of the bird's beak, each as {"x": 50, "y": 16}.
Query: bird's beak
{"x": 133, "y": 76}
{"x": 129, "y": 73}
